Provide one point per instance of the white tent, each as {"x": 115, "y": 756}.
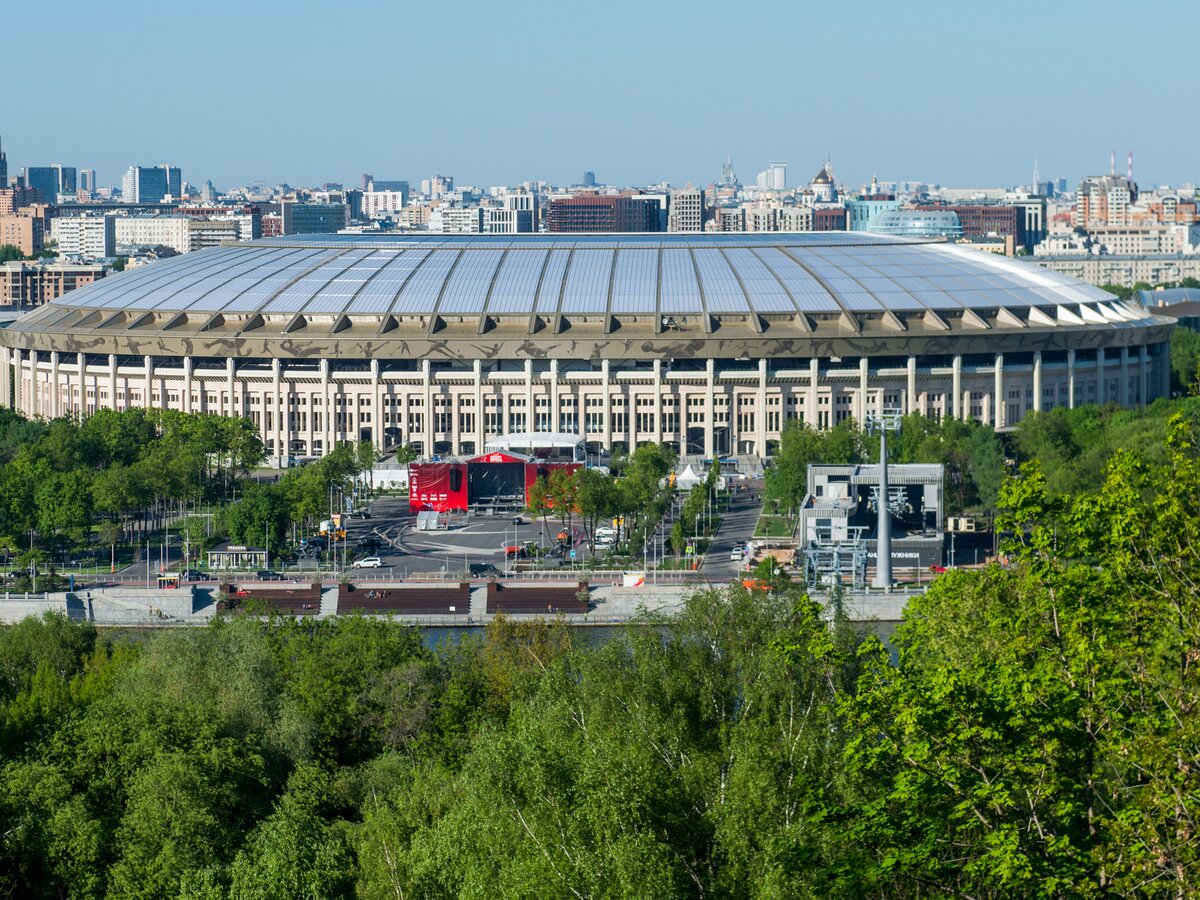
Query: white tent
{"x": 688, "y": 479}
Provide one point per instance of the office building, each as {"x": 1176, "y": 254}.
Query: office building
{"x": 3, "y": 168}
{"x": 440, "y": 184}
{"x": 687, "y": 210}
{"x": 312, "y": 218}
{"x": 36, "y": 283}
{"x": 861, "y": 211}
{"x": 447, "y": 342}
{"x": 508, "y": 221}
{"x": 777, "y": 176}
{"x": 146, "y": 184}
{"x": 90, "y": 237}
{"x": 44, "y": 179}
{"x": 589, "y": 179}
{"x": 87, "y": 181}
{"x": 67, "y": 179}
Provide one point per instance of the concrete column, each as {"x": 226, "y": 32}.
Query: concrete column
{"x": 956, "y": 404}
{"x": 277, "y": 407}
{"x": 760, "y": 416}
{"x": 1070, "y": 379}
{"x": 864, "y": 387}
{"x": 187, "y": 384}
{"x": 427, "y": 387}
{"x": 1124, "y": 394}
{"x": 229, "y": 406}
{"x": 530, "y": 408}
{"x": 1143, "y": 375}
{"x": 81, "y": 377}
{"x": 55, "y": 387}
{"x": 480, "y": 437}
{"x": 5, "y": 379}
{"x": 910, "y": 397}
{"x": 1164, "y": 370}
{"x": 79, "y": 406}
{"x": 656, "y": 366}
{"x": 377, "y": 415}
{"x": 710, "y": 412}
{"x": 1101, "y": 378}
{"x": 812, "y": 412}
{"x": 998, "y": 394}
{"x": 148, "y": 363}
{"x": 112, "y": 381}
{"x": 327, "y": 409}
{"x": 554, "y": 396}
{"x": 606, "y": 413}
{"x": 1037, "y": 380}
{"x": 37, "y": 402}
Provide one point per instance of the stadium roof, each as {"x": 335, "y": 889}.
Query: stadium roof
{"x": 615, "y": 296}
{"x": 372, "y": 275}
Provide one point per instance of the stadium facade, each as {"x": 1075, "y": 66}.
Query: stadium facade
{"x": 707, "y": 342}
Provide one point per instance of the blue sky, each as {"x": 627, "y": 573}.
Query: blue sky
{"x": 499, "y": 92}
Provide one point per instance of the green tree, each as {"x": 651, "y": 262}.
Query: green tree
{"x": 9, "y": 253}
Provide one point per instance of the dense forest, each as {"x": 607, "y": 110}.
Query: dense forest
{"x": 1031, "y": 730}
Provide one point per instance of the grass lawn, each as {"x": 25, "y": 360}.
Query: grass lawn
{"x": 773, "y": 526}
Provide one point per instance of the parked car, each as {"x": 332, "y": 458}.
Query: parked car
{"x": 737, "y": 555}
{"x": 368, "y": 562}
{"x": 481, "y": 570}
{"x": 370, "y": 543}
{"x": 268, "y": 575}
{"x": 195, "y": 575}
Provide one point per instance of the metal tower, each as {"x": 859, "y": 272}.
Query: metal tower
{"x": 883, "y": 422}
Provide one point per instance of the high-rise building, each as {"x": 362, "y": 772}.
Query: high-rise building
{"x": 313, "y": 218}
{"x": 777, "y": 176}
{"x": 728, "y": 176}
{"x": 440, "y": 184}
{"x": 1104, "y": 200}
{"x": 12, "y": 199}
{"x": 174, "y": 178}
{"x": 144, "y": 184}
{"x": 376, "y": 185}
{"x": 67, "y": 180}
{"x": 366, "y": 181}
{"x": 589, "y": 179}
{"x": 91, "y": 237}
{"x": 3, "y": 168}
{"x": 687, "y": 210}
{"x": 45, "y": 179}
{"x": 87, "y": 180}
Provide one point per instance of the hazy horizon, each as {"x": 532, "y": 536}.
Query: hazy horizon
{"x": 637, "y": 93}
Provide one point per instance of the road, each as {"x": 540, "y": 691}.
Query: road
{"x": 737, "y": 527}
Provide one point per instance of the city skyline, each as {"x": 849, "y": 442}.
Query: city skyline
{"x": 454, "y": 94}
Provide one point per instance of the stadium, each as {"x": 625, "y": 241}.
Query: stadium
{"x": 707, "y": 342}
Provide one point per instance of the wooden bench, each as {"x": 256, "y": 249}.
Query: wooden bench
{"x": 502, "y": 598}
{"x": 406, "y": 601}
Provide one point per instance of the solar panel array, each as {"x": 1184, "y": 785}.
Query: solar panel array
{"x": 722, "y": 274}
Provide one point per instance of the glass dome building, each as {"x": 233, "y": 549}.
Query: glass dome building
{"x": 918, "y": 223}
